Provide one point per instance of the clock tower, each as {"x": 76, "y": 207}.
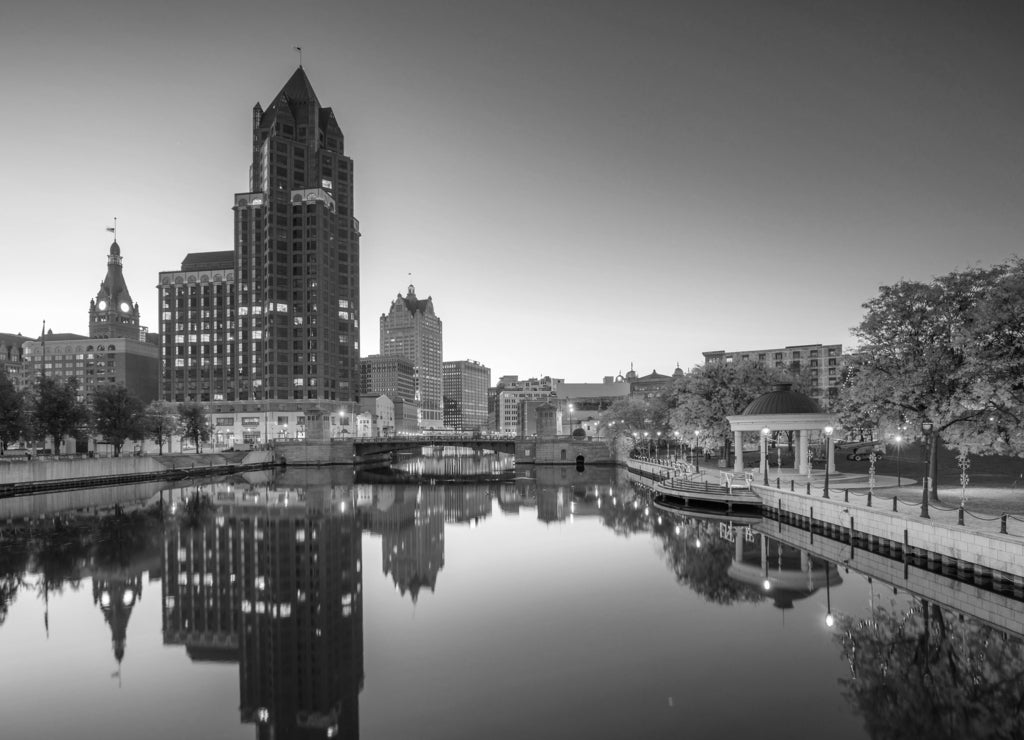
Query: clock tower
{"x": 113, "y": 313}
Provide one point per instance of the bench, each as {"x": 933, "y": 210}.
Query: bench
{"x": 737, "y": 480}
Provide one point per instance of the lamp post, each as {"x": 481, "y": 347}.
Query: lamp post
{"x": 764, "y": 452}
{"x": 899, "y": 477}
{"x": 680, "y": 443}
{"x": 696, "y": 450}
{"x": 926, "y": 427}
{"x": 828, "y": 443}
{"x": 657, "y": 446}
{"x": 647, "y": 443}
{"x": 570, "y": 418}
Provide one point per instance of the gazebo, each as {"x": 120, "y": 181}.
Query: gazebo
{"x": 784, "y": 410}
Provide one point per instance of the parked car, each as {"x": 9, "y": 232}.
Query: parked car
{"x": 860, "y": 450}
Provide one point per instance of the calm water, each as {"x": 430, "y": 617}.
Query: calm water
{"x": 554, "y": 603}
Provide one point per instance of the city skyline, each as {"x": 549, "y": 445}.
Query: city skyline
{"x": 633, "y": 185}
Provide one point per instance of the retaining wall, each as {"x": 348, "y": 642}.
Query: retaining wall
{"x": 996, "y": 551}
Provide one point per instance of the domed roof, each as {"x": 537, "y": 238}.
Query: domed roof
{"x": 115, "y": 249}
{"x": 782, "y": 400}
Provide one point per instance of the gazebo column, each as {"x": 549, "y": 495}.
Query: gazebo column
{"x": 796, "y": 450}
{"x": 763, "y": 469}
{"x": 738, "y": 446}
{"x": 804, "y": 440}
{"x": 830, "y": 454}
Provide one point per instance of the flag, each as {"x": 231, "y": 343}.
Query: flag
{"x": 111, "y": 229}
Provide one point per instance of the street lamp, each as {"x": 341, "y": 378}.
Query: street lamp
{"x": 764, "y": 452}
{"x": 680, "y": 443}
{"x": 899, "y": 477}
{"x": 570, "y": 418}
{"x": 696, "y": 450}
{"x": 647, "y": 443}
{"x": 926, "y": 427}
{"x": 828, "y": 442}
{"x": 657, "y": 446}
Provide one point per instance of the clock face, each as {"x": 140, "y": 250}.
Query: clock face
{"x": 125, "y": 307}
{"x": 102, "y": 305}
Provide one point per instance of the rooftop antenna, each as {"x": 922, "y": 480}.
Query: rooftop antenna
{"x": 113, "y": 229}
{"x": 299, "y": 49}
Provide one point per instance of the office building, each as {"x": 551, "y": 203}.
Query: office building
{"x": 465, "y": 395}
{"x": 511, "y": 393}
{"x": 412, "y": 330}
{"x": 287, "y": 324}
{"x": 394, "y": 376}
{"x": 821, "y": 362}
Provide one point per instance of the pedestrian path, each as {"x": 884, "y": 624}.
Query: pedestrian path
{"x": 988, "y": 510}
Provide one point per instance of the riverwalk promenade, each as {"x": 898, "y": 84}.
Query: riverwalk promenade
{"x": 992, "y": 543}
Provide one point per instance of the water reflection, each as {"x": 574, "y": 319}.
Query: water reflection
{"x": 273, "y": 580}
{"x": 267, "y": 574}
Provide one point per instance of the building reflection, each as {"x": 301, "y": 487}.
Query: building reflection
{"x": 272, "y": 579}
{"x": 787, "y": 574}
{"x": 410, "y": 521}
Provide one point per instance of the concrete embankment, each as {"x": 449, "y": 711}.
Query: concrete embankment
{"x": 26, "y": 477}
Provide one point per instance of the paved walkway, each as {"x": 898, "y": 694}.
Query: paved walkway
{"x": 983, "y": 508}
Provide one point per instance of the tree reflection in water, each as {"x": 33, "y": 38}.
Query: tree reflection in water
{"x": 694, "y": 552}
{"x": 927, "y": 673}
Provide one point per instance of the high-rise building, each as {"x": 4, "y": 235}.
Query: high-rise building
{"x": 393, "y": 376}
{"x": 822, "y": 362}
{"x": 412, "y": 330}
{"x": 287, "y": 325}
{"x": 465, "y": 395}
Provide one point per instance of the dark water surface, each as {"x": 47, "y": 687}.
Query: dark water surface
{"x": 551, "y": 604}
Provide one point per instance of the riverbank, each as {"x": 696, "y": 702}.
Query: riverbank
{"x": 38, "y": 475}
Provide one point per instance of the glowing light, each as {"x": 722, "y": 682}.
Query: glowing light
{"x": 829, "y": 620}
{"x": 767, "y": 585}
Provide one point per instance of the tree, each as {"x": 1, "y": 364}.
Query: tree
{"x": 630, "y": 417}
{"x": 924, "y": 672}
{"x": 918, "y": 361}
{"x": 117, "y": 415}
{"x": 162, "y": 422}
{"x": 708, "y": 394}
{"x": 12, "y": 413}
{"x": 56, "y": 410}
{"x": 993, "y": 346}
{"x": 195, "y": 425}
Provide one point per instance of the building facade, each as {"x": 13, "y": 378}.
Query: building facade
{"x": 465, "y": 395}
{"x": 12, "y": 355}
{"x": 412, "y": 330}
{"x": 116, "y": 350}
{"x": 511, "y": 416}
{"x": 394, "y": 376}
{"x": 821, "y": 362}
{"x": 271, "y": 328}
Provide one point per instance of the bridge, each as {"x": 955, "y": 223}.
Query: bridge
{"x": 370, "y": 446}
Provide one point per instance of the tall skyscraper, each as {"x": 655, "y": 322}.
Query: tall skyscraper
{"x": 412, "y": 330}
{"x": 465, "y": 395}
{"x": 289, "y": 329}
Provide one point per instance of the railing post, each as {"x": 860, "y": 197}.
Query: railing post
{"x": 894, "y": 500}
{"x": 791, "y": 486}
{"x": 869, "y": 498}
{"x": 778, "y": 483}
{"x": 808, "y": 488}
{"x": 960, "y": 516}
{"x": 1002, "y": 524}
{"x": 846, "y": 495}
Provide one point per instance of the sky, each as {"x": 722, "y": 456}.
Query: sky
{"x": 581, "y": 186}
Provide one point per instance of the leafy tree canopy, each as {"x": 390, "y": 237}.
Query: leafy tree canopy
{"x": 117, "y": 415}
{"x": 12, "y": 412}
{"x": 57, "y": 411}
